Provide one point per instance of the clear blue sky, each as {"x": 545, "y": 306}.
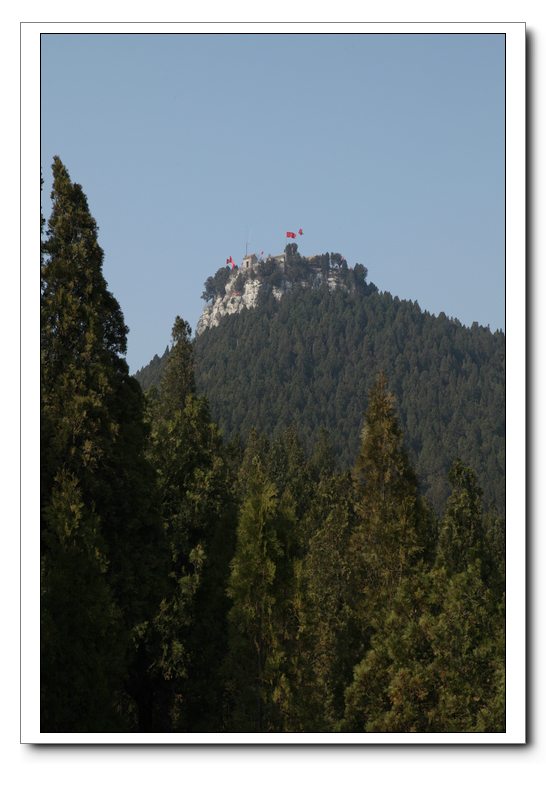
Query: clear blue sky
{"x": 389, "y": 149}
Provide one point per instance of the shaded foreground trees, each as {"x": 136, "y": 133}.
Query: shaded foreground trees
{"x": 102, "y": 558}
{"x": 194, "y": 586}
{"x": 185, "y": 641}
{"x": 266, "y": 616}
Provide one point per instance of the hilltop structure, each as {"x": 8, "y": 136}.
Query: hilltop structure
{"x": 252, "y": 259}
{"x": 248, "y": 260}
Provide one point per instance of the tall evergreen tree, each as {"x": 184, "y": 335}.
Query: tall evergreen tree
{"x": 333, "y": 633}
{"x": 290, "y": 471}
{"x": 265, "y": 671}
{"x": 92, "y": 452}
{"x": 437, "y": 664}
{"x": 175, "y": 680}
{"x": 83, "y": 642}
{"x": 324, "y": 460}
{"x": 396, "y": 525}
{"x": 462, "y": 538}
{"x": 178, "y": 379}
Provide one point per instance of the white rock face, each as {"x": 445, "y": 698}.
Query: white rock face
{"x": 247, "y": 298}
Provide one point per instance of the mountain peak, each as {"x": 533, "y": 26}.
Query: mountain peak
{"x": 241, "y": 288}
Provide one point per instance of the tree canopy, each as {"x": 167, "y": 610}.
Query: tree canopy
{"x": 103, "y": 550}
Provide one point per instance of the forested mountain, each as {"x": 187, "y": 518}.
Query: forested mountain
{"x": 191, "y": 584}
{"x": 312, "y": 355}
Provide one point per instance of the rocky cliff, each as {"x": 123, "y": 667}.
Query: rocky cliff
{"x": 246, "y": 296}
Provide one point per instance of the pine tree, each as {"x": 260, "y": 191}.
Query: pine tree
{"x": 333, "y": 631}
{"x": 396, "y": 524}
{"x": 437, "y": 664}
{"x": 175, "y": 679}
{"x": 462, "y": 537}
{"x": 178, "y": 379}
{"x": 83, "y": 640}
{"x": 290, "y": 471}
{"x": 393, "y": 533}
{"x": 265, "y": 671}
{"x": 93, "y": 439}
{"x": 324, "y": 460}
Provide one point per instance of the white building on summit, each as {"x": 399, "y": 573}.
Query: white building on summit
{"x": 248, "y": 260}
{"x": 251, "y": 259}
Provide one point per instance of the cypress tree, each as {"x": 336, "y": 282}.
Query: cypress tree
{"x": 437, "y": 663}
{"x": 396, "y": 524}
{"x": 175, "y": 680}
{"x": 336, "y": 644}
{"x": 178, "y": 378}
{"x": 93, "y": 439}
{"x": 462, "y": 537}
{"x": 265, "y": 671}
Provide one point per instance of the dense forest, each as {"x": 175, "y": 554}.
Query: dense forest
{"x": 312, "y": 356}
{"x": 191, "y": 583}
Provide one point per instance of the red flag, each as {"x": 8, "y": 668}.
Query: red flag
{"x": 290, "y": 235}
{"x": 301, "y": 232}
{"x": 227, "y": 261}
{"x": 232, "y": 264}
